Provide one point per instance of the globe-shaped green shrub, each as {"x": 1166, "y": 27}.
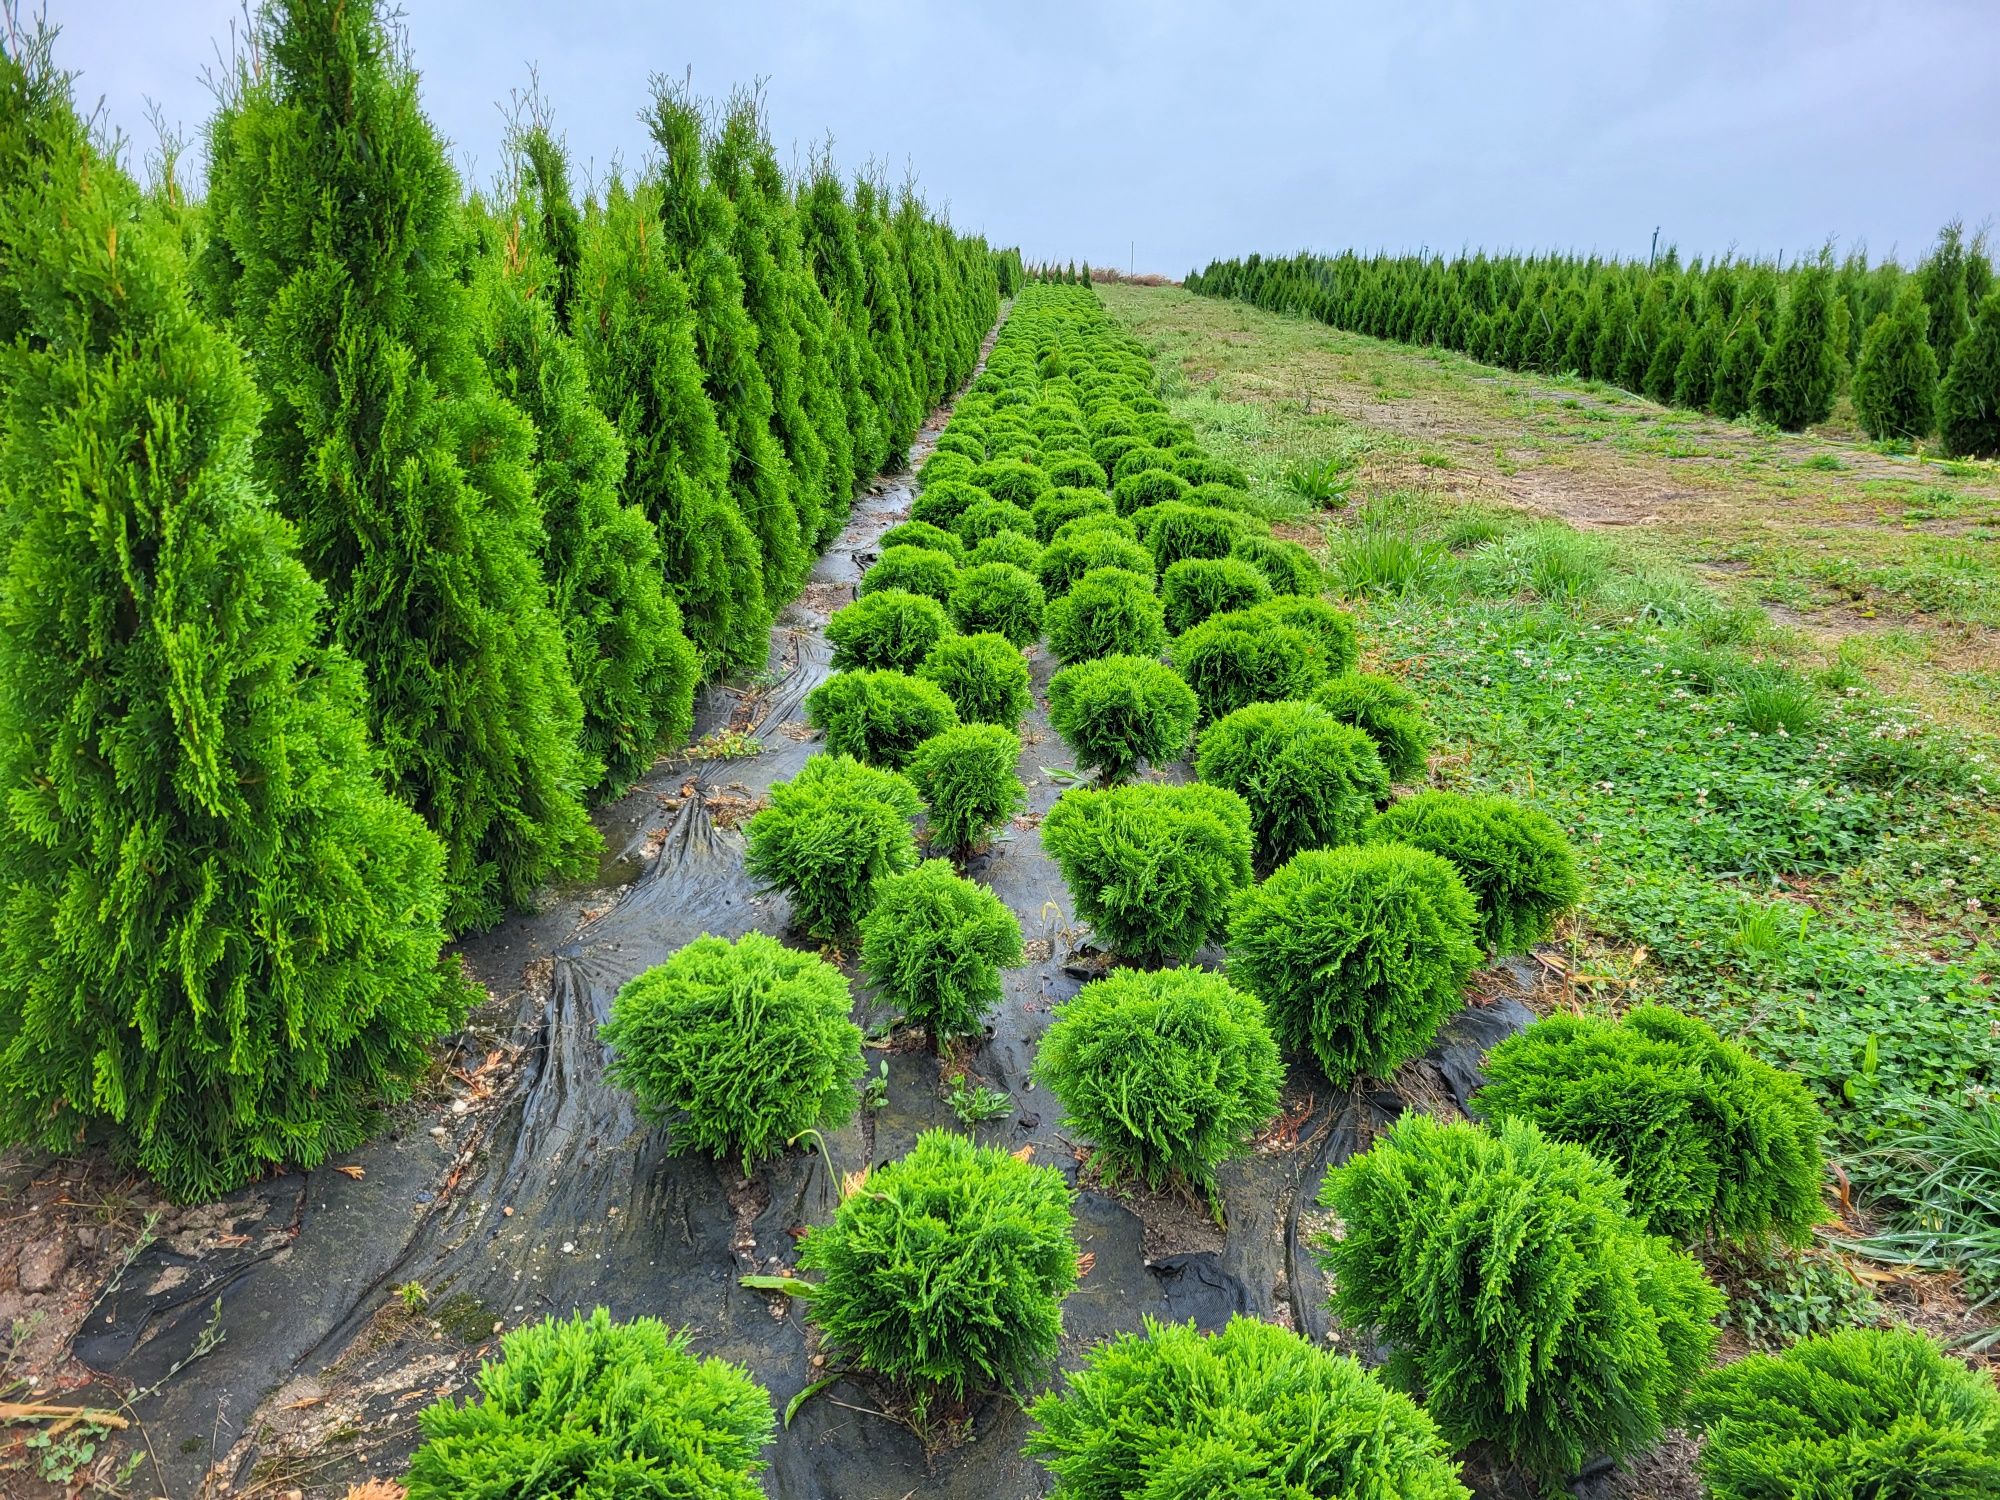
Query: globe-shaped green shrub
{"x": 1521, "y": 1303}
{"x": 1286, "y": 566}
{"x": 878, "y": 717}
{"x": 1224, "y": 497}
{"x": 1239, "y": 658}
{"x": 1387, "y": 712}
{"x": 941, "y": 502}
{"x": 1107, "y": 612}
{"x": 1142, "y": 460}
{"x": 1109, "y": 448}
{"x": 1065, "y": 505}
{"x": 1068, "y": 558}
{"x": 827, "y": 835}
{"x": 736, "y": 1047}
{"x": 934, "y": 946}
{"x": 578, "y": 1406}
{"x": 1169, "y": 1073}
{"x": 945, "y": 1273}
{"x": 985, "y": 676}
{"x": 1196, "y": 587}
{"x": 1359, "y": 954}
{"x": 1005, "y": 547}
{"x": 923, "y": 534}
{"x": 1075, "y": 470}
{"x": 1097, "y": 523}
{"x": 946, "y": 464}
{"x": 1009, "y": 479}
{"x": 1710, "y": 1141}
{"x": 1865, "y": 1412}
{"x": 1331, "y": 630}
{"x": 1176, "y": 530}
{"x": 986, "y": 517}
{"x": 1311, "y": 782}
{"x": 892, "y": 629}
{"x": 915, "y": 570}
{"x": 1116, "y": 711}
{"x": 965, "y": 439}
{"x": 1255, "y": 1410}
{"x": 1199, "y": 468}
{"x": 998, "y": 599}
{"x": 967, "y": 780}
{"x": 1514, "y": 859}
{"x": 1149, "y": 487}
{"x": 1152, "y": 868}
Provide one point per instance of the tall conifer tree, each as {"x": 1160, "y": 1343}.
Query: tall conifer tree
{"x": 1800, "y": 375}
{"x": 833, "y": 251}
{"x": 1969, "y": 399}
{"x": 221, "y": 944}
{"x": 1895, "y": 383}
{"x": 334, "y": 236}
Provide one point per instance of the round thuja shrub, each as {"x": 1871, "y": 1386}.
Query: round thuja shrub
{"x": 985, "y": 676}
{"x": 736, "y": 1047}
{"x": 1199, "y": 468}
{"x": 1224, "y": 497}
{"x": 1076, "y": 470}
{"x": 891, "y": 629}
{"x": 827, "y": 835}
{"x": 964, "y": 439}
{"x": 1009, "y": 479}
{"x": 1239, "y": 658}
{"x": 878, "y": 717}
{"x": 1286, "y": 566}
{"x": 923, "y": 534}
{"x": 1711, "y": 1142}
{"x": 1515, "y": 860}
{"x": 1860, "y": 1414}
{"x": 1331, "y": 630}
{"x": 1116, "y": 711}
{"x": 1152, "y": 868}
{"x": 1008, "y": 547}
{"x": 1253, "y": 1410}
{"x": 1168, "y": 1073}
{"x": 1520, "y": 1301}
{"x": 945, "y": 1272}
{"x": 1175, "y": 531}
{"x": 1068, "y": 558}
{"x": 1107, "y": 612}
{"x": 1066, "y": 505}
{"x": 914, "y": 570}
{"x": 985, "y": 517}
{"x": 1387, "y": 712}
{"x": 1110, "y": 447}
{"x": 1146, "y": 489}
{"x": 941, "y": 502}
{"x": 1098, "y": 523}
{"x": 934, "y": 946}
{"x": 1196, "y": 587}
{"x": 946, "y": 465}
{"x": 1359, "y": 954}
{"x": 1310, "y": 781}
{"x": 998, "y": 599}
{"x": 967, "y": 780}
{"x": 579, "y": 1406}
{"x": 1145, "y": 459}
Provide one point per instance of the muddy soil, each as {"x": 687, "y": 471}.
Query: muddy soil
{"x": 264, "y": 1345}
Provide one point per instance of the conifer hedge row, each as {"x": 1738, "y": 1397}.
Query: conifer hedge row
{"x": 361, "y": 533}
{"x": 1918, "y": 349}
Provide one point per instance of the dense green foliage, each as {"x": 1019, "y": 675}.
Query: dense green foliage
{"x": 1068, "y": 558}
{"x": 1107, "y": 612}
{"x": 1514, "y": 859}
{"x": 985, "y": 676}
{"x": 407, "y": 474}
{"x": 1287, "y": 566}
{"x": 1711, "y": 1142}
{"x": 966, "y": 777}
{"x": 1520, "y": 1302}
{"x": 1196, "y": 587}
{"x": 222, "y": 937}
{"x": 889, "y": 630}
{"x": 1969, "y": 398}
{"x": 1387, "y": 712}
{"x": 1255, "y": 1410}
{"x": 878, "y": 717}
{"x": 1895, "y": 382}
{"x": 1800, "y": 377}
{"x": 828, "y": 834}
{"x": 934, "y": 945}
{"x": 1176, "y": 530}
{"x": 1359, "y": 954}
{"x": 1310, "y": 780}
{"x": 946, "y": 1273}
{"x": 1117, "y": 711}
{"x": 1880, "y": 1413}
{"x": 1151, "y": 868}
{"x": 1168, "y": 1073}
{"x": 585, "y": 1406}
{"x": 736, "y": 1047}
{"x": 923, "y": 534}
{"x": 997, "y": 598}
{"x": 1244, "y": 657}
{"x": 914, "y": 570}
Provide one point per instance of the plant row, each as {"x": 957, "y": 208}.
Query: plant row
{"x": 360, "y": 535}
{"x": 1918, "y": 351}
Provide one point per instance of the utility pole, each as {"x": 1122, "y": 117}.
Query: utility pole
{"x": 1131, "y": 259}
{"x": 1653, "y": 254}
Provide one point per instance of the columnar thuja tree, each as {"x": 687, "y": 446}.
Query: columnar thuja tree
{"x": 1969, "y": 399}
{"x": 334, "y": 236}
{"x": 221, "y": 937}
{"x": 632, "y": 662}
{"x": 885, "y": 298}
{"x": 1800, "y": 376}
{"x": 833, "y": 251}
{"x": 697, "y": 222}
{"x": 1895, "y": 383}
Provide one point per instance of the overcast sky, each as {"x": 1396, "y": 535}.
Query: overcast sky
{"x": 1168, "y": 132}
